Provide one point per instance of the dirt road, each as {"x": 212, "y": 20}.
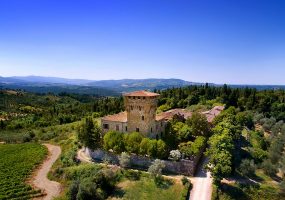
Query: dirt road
{"x": 202, "y": 184}
{"x": 40, "y": 180}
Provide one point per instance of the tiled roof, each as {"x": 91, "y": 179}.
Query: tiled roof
{"x": 170, "y": 113}
{"x": 210, "y": 115}
{"x": 120, "y": 117}
{"x": 141, "y": 93}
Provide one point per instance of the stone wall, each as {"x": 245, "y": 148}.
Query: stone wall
{"x": 184, "y": 167}
{"x": 113, "y": 126}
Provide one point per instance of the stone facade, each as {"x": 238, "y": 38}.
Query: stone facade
{"x": 184, "y": 167}
{"x": 140, "y": 115}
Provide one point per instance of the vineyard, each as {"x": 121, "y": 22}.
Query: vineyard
{"x": 17, "y": 162}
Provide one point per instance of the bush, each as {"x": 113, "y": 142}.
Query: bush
{"x": 124, "y": 160}
{"x": 247, "y": 167}
{"x": 156, "y": 168}
{"x": 187, "y": 188}
{"x": 269, "y": 168}
{"x": 282, "y": 188}
{"x": 132, "y": 142}
{"x": 115, "y": 141}
{"x": 132, "y": 175}
{"x": 175, "y": 155}
{"x": 184, "y": 180}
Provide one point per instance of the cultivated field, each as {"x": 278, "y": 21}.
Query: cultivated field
{"x": 17, "y": 162}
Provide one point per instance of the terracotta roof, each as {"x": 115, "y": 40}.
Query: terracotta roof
{"x": 120, "y": 117}
{"x": 170, "y": 113}
{"x": 141, "y": 93}
{"x": 210, "y": 114}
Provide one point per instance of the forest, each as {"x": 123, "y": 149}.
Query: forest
{"x": 246, "y": 141}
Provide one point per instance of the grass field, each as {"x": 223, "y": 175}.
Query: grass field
{"x": 17, "y": 162}
{"x": 145, "y": 188}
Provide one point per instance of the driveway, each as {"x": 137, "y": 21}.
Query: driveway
{"x": 202, "y": 183}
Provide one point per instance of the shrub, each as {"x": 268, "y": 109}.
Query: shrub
{"x": 269, "y": 168}
{"x": 184, "y": 180}
{"x": 156, "y": 168}
{"x": 132, "y": 142}
{"x": 187, "y": 187}
{"x": 161, "y": 151}
{"x": 175, "y": 155}
{"x": 124, "y": 160}
{"x": 132, "y": 175}
{"x": 115, "y": 141}
{"x": 144, "y": 146}
{"x": 247, "y": 167}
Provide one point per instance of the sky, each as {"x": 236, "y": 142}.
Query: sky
{"x": 217, "y": 41}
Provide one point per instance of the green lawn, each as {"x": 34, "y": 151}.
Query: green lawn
{"x": 17, "y": 162}
{"x": 145, "y": 188}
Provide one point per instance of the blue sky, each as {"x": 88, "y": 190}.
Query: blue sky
{"x": 220, "y": 41}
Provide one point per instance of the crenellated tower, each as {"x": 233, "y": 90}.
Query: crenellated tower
{"x": 141, "y": 111}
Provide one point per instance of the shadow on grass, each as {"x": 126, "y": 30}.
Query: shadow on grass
{"x": 233, "y": 192}
{"x": 162, "y": 183}
{"x": 118, "y": 193}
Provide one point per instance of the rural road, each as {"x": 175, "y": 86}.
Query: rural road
{"x": 40, "y": 180}
{"x": 202, "y": 184}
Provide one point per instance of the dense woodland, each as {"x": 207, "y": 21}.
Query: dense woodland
{"x": 247, "y": 140}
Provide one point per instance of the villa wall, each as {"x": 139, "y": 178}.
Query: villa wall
{"x": 184, "y": 167}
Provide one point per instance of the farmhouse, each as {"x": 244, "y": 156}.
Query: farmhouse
{"x": 140, "y": 115}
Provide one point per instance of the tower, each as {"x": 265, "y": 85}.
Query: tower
{"x": 141, "y": 111}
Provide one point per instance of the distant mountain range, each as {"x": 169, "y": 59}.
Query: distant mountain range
{"x": 40, "y": 84}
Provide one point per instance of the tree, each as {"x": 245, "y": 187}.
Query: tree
{"x": 269, "y": 168}
{"x": 115, "y": 141}
{"x": 161, "y": 151}
{"x": 125, "y": 160}
{"x": 221, "y": 152}
{"x": 156, "y": 168}
{"x": 90, "y": 133}
{"x": 132, "y": 142}
{"x": 152, "y": 148}
{"x": 198, "y": 124}
{"x": 245, "y": 119}
{"x": 144, "y": 146}
{"x": 247, "y": 167}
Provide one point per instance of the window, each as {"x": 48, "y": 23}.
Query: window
{"x": 139, "y": 98}
{"x": 117, "y": 127}
{"x": 126, "y": 128}
{"x": 140, "y": 108}
{"x": 132, "y": 107}
{"x": 143, "y": 118}
{"x": 151, "y": 129}
{"x": 143, "y": 97}
{"x": 106, "y": 126}
{"x": 137, "y": 130}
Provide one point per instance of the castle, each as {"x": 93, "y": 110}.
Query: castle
{"x": 140, "y": 115}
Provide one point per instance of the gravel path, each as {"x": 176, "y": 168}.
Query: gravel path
{"x": 202, "y": 184}
{"x": 40, "y": 180}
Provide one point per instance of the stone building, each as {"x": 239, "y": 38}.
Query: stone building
{"x": 140, "y": 115}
